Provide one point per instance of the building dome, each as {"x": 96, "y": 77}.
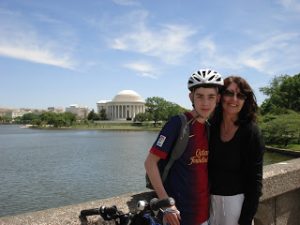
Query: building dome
{"x": 128, "y": 96}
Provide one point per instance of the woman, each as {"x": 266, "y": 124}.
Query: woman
{"x": 235, "y": 156}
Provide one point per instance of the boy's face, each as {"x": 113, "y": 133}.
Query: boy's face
{"x": 205, "y": 100}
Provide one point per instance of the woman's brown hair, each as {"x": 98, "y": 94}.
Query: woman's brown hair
{"x": 249, "y": 111}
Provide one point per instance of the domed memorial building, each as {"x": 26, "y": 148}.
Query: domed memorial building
{"x": 124, "y": 106}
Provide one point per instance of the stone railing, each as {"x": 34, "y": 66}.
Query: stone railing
{"x": 280, "y": 202}
{"x": 283, "y": 151}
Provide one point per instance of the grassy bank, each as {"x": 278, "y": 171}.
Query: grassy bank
{"x": 294, "y": 147}
{"x": 116, "y": 126}
{"x": 126, "y": 126}
{"x": 129, "y": 126}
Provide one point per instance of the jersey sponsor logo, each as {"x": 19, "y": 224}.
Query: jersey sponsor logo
{"x": 161, "y": 140}
{"x": 201, "y": 156}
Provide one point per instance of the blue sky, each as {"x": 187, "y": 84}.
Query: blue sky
{"x": 63, "y": 52}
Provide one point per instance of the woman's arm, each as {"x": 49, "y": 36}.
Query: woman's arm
{"x": 253, "y": 175}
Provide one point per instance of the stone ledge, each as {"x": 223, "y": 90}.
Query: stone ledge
{"x": 68, "y": 215}
{"x": 281, "y": 185}
{"x": 280, "y": 178}
{"x": 283, "y": 151}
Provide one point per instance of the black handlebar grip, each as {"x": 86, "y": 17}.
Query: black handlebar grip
{"x": 156, "y": 204}
{"x": 108, "y": 213}
{"x": 108, "y": 210}
{"x": 89, "y": 212}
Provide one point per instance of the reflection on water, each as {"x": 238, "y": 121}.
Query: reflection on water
{"x": 42, "y": 169}
{"x": 272, "y": 157}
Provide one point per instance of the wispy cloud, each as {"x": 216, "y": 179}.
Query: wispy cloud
{"x": 169, "y": 43}
{"x": 21, "y": 40}
{"x": 211, "y": 54}
{"x": 274, "y": 54}
{"x": 126, "y": 2}
{"x": 293, "y": 5}
{"x": 142, "y": 69}
{"x": 36, "y": 55}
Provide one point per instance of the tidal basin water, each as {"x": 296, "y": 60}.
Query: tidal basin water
{"x": 42, "y": 169}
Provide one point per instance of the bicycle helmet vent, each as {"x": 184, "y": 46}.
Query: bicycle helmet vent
{"x": 205, "y": 77}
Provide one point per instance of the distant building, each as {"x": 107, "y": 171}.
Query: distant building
{"x": 124, "y": 106}
{"x": 56, "y": 110}
{"x": 20, "y": 112}
{"x": 14, "y": 113}
{"x": 5, "y": 112}
{"x": 81, "y": 112}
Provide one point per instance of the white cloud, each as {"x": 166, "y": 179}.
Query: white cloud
{"x": 20, "y": 39}
{"x": 126, "y": 2}
{"x": 273, "y": 55}
{"x": 293, "y": 5}
{"x": 207, "y": 46}
{"x": 210, "y": 55}
{"x": 35, "y": 55}
{"x": 143, "y": 69}
{"x": 169, "y": 44}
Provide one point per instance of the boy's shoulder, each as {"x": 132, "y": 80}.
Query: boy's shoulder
{"x": 178, "y": 119}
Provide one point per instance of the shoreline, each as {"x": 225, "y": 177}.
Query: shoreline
{"x": 108, "y": 127}
{"x": 127, "y": 126}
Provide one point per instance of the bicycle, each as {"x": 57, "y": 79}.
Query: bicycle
{"x": 144, "y": 214}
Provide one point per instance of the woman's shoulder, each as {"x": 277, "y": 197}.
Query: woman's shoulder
{"x": 250, "y": 128}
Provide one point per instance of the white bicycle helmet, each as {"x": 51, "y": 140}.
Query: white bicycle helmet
{"x": 205, "y": 77}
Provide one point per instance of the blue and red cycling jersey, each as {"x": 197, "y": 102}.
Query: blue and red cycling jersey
{"x": 187, "y": 181}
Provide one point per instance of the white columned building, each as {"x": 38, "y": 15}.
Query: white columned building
{"x": 124, "y": 106}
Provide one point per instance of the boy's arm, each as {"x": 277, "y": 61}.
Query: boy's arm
{"x": 154, "y": 175}
{"x": 155, "y": 179}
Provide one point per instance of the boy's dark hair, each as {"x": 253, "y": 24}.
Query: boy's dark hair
{"x": 218, "y": 87}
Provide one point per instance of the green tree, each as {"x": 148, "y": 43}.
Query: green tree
{"x": 103, "y": 115}
{"x": 55, "y": 119}
{"x": 283, "y": 94}
{"x": 173, "y": 109}
{"x": 281, "y": 129}
{"x": 5, "y": 119}
{"x": 49, "y": 118}
{"x": 69, "y": 118}
{"x": 156, "y": 107}
{"x": 141, "y": 117}
{"x": 93, "y": 116}
{"x": 29, "y": 118}
{"x": 161, "y": 110}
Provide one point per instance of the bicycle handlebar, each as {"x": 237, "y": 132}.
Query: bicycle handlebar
{"x": 109, "y": 213}
{"x": 156, "y": 204}
{"x": 112, "y": 213}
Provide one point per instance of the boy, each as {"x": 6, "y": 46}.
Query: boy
{"x": 187, "y": 181}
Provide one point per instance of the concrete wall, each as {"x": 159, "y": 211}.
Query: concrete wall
{"x": 283, "y": 151}
{"x": 280, "y": 203}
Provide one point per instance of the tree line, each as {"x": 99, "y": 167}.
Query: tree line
{"x": 279, "y": 114}
{"x": 280, "y": 111}
{"x": 45, "y": 119}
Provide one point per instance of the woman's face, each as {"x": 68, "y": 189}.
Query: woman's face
{"x": 233, "y": 100}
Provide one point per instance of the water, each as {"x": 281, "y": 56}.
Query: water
{"x": 49, "y": 168}
{"x": 42, "y": 169}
